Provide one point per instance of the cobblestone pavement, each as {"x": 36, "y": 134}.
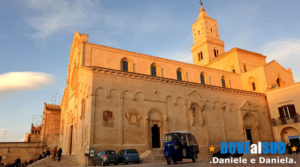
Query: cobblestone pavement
{"x": 199, "y": 163}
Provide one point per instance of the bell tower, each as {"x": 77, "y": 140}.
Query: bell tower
{"x": 207, "y": 44}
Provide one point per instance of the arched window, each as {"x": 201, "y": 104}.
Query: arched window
{"x": 278, "y": 82}
{"x": 124, "y": 65}
{"x": 245, "y": 68}
{"x": 153, "y": 70}
{"x": 202, "y": 78}
{"x": 223, "y": 82}
{"x": 252, "y": 83}
{"x": 253, "y": 86}
{"x": 179, "y": 74}
{"x": 200, "y": 56}
{"x": 215, "y": 52}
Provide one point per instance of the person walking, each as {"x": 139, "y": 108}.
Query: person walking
{"x": 59, "y": 154}
{"x": 54, "y": 152}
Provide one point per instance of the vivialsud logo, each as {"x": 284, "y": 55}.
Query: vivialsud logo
{"x": 267, "y": 153}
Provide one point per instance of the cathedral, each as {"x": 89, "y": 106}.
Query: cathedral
{"x": 116, "y": 99}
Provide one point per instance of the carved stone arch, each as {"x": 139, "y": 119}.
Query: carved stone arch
{"x": 100, "y": 95}
{"x": 251, "y": 122}
{"x": 289, "y": 130}
{"x": 216, "y": 105}
{"x": 195, "y": 114}
{"x": 179, "y": 100}
{"x": 232, "y": 107}
{"x": 207, "y": 106}
{"x": 113, "y": 94}
{"x": 155, "y": 121}
{"x": 224, "y": 107}
{"x": 139, "y": 96}
{"x": 194, "y": 96}
{"x": 127, "y": 95}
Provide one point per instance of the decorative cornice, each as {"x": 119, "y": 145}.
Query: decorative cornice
{"x": 170, "y": 81}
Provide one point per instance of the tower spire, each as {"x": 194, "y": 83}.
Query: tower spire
{"x": 202, "y": 10}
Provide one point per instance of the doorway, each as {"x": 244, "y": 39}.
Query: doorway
{"x": 155, "y": 136}
{"x": 249, "y": 135}
{"x": 71, "y": 139}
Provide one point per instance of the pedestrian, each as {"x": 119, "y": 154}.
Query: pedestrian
{"x": 59, "y": 154}
{"x": 54, "y": 152}
{"x": 18, "y": 162}
{"x": 47, "y": 152}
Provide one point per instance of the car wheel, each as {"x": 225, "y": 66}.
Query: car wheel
{"x": 125, "y": 162}
{"x": 103, "y": 163}
{"x": 116, "y": 163}
{"x": 169, "y": 160}
{"x": 194, "y": 158}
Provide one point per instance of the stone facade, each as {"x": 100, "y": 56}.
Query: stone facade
{"x": 118, "y": 99}
{"x": 27, "y": 151}
{"x": 286, "y": 124}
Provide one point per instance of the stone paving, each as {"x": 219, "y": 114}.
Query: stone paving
{"x": 70, "y": 161}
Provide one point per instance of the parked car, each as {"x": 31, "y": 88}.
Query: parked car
{"x": 128, "y": 155}
{"x": 180, "y": 145}
{"x": 106, "y": 157}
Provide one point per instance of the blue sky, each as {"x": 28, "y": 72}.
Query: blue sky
{"x": 36, "y": 36}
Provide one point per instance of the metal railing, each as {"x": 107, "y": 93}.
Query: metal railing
{"x": 283, "y": 121}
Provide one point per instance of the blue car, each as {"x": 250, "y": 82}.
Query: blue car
{"x": 180, "y": 145}
{"x": 128, "y": 155}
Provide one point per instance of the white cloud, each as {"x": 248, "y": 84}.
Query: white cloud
{"x": 178, "y": 55}
{"x": 19, "y": 81}
{"x": 282, "y": 49}
{"x": 3, "y": 133}
{"x": 286, "y": 52}
{"x": 48, "y": 16}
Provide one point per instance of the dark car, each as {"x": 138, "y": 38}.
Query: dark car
{"x": 180, "y": 145}
{"x": 128, "y": 155}
{"x": 106, "y": 157}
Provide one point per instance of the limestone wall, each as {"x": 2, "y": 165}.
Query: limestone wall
{"x": 25, "y": 150}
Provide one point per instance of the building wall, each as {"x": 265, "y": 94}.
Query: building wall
{"x": 137, "y": 102}
{"x": 280, "y": 97}
{"x": 51, "y": 125}
{"x": 24, "y": 150}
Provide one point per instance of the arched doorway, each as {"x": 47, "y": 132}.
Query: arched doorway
{"x": 155, "y": 123}
{"x": 155, "y": 130}
{"x": 250, "y": 128}
{"x": 290, "y": 135}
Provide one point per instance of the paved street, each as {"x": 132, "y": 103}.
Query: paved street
{"x": 188, "y": 163}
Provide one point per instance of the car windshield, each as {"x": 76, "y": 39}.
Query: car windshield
{"x": 110, "y": 152}
{"x": 171, "y": 138}
{"x": 131, "y": 151}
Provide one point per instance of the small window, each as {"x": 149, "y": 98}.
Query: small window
{"x": 201, "y": 55}
{"x": 215, "y": 52}
{"x": 223, "y": 82}
{"x": 253, "y": 86}
{"x": 202, "y": 78}
{"x": 233, "y": 70}
{"x": 278, "y": 82}
{"x": 179, "y": 74}
{"x": 245, "y": 68}
{"x": 287, "y": 111}
{"x": 124, "y": 64}
{"x": 153, "y": 70}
